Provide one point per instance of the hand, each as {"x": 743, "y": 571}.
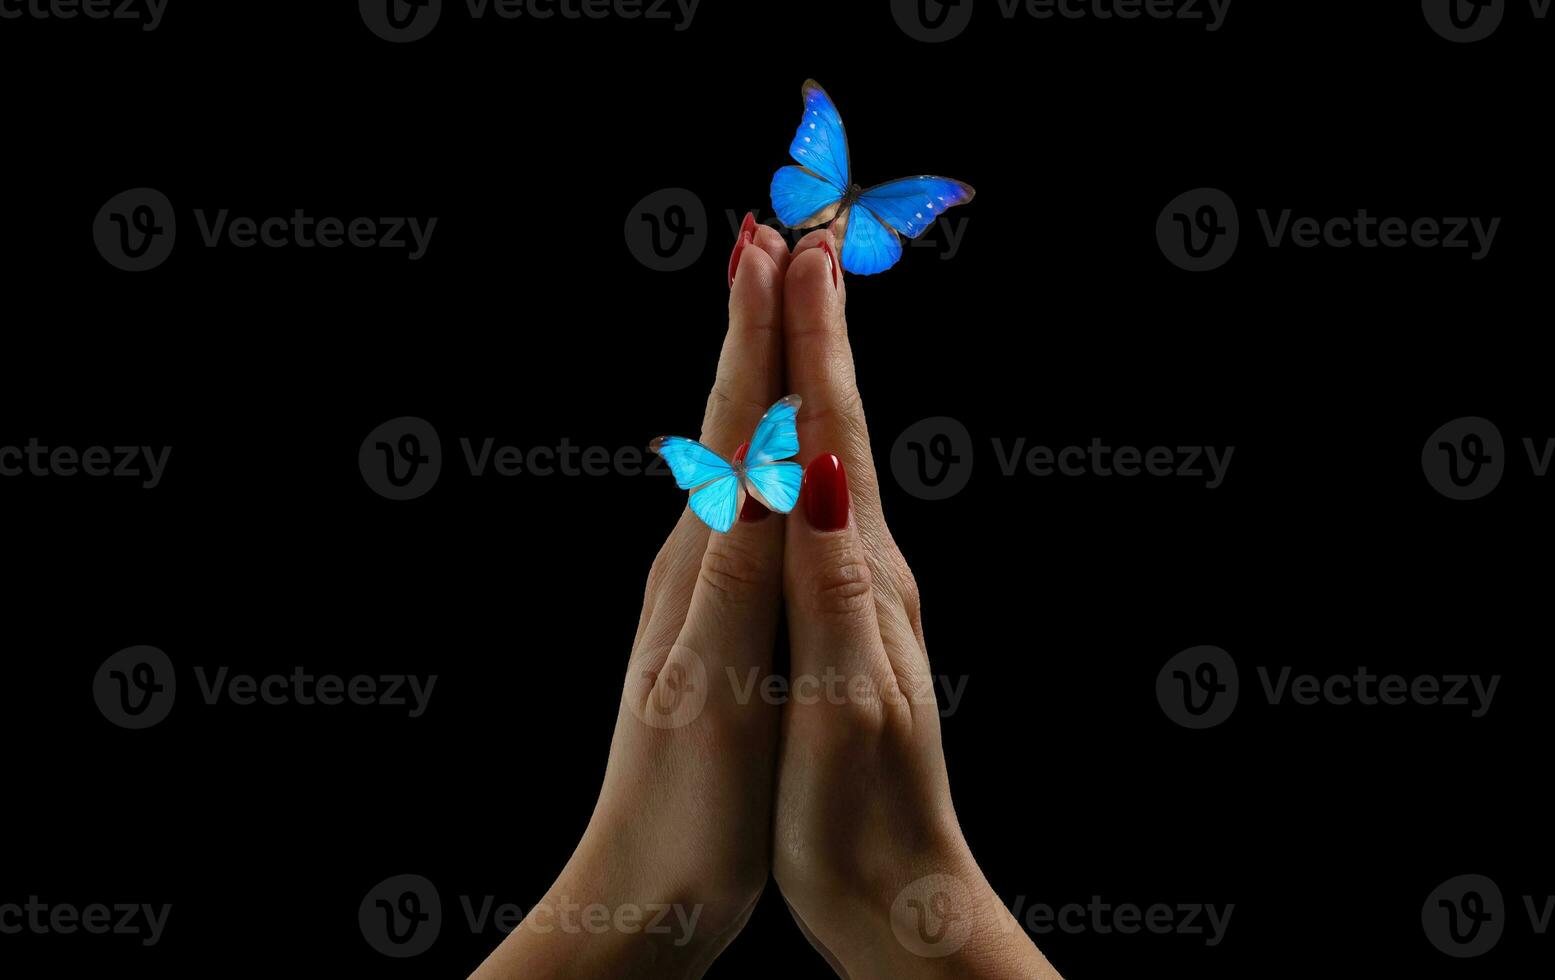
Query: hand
{"x": 684, "y": 816}
{"x": 868, "y": 852}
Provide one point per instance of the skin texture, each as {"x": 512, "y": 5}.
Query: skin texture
{"x": 842, "y": 796}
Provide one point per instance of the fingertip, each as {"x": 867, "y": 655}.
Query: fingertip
{"x": 811, "y": 286}
{"x": 812, "y": 240}
{"x": 770, "y": 241}
{"x": 756, "y": 274}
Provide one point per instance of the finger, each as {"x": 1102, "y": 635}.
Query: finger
{"x": 720, "y": 596}
{"x": 819, "y": 361}
{"x": 751, "y": 348}
{"x": 763, "y": 237}
{"x": 834, "y": 632}
{"x": 820, "y": 370}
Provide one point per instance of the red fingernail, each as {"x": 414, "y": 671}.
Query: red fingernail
{"x": 825, "y": 493}
{"x": 753, "y": 510}
{"x": 747, "y": 234}
{"x": 831, "y": 260}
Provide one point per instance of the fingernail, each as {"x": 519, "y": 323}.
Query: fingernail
{"x": 747, "y": 233}
{"x": 825, "y": 493}
{"x": 831, "y": 259}
{"x": 753, "y": 510}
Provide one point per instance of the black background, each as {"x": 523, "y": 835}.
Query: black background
{"x": 529, "y": 320}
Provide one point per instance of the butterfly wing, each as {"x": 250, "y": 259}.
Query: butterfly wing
{"x": 812, "y": 193}
{"x": 820, "y": 143}
{"x": 771, "y": 480}
{"x": 716, "y": 489}
{"x": 692, "y": 463}
{"x": 776, "y": 436}
{"x": 868, "y": 244}
{"x": 809, "y": 195}
{"x": 775, "y": 484}
{"x": 801, "y": 198}
{"x": 911, "y": 204}
{"x": 907, "y": 206}
{"x": 717, "y": 503}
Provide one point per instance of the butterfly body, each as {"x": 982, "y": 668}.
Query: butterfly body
{"x": 869, "y": 222}
{"x": 718, "y": 486}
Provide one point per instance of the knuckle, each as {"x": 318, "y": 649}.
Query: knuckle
{"x": 672, "y": 573}
{"x": 725, "y": 410}
{"x": 734, "y": 571}
{"x": 907, "y": 591}
{"x": 843, "y": 403}
{"x": 663, "y": 568}
{"x": 863, "y": 722}
{"x": 843, "y": 585}
{"x": 655, "y": 575}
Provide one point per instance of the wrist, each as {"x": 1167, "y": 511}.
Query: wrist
{"x": 938, "y": 918}
{"x": 612, "y": 918}
{"x": 688, "y": 899}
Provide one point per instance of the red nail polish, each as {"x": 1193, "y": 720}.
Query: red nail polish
{"x": 753, "y": 510}
{"x": 825, "y": 493}
{"x": 831, "y": 260}
{"x": 746, "y": 236}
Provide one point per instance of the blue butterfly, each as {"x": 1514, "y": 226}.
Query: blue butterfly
{"x": 820, "y": 190}
{"x": 715, "y": 483}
